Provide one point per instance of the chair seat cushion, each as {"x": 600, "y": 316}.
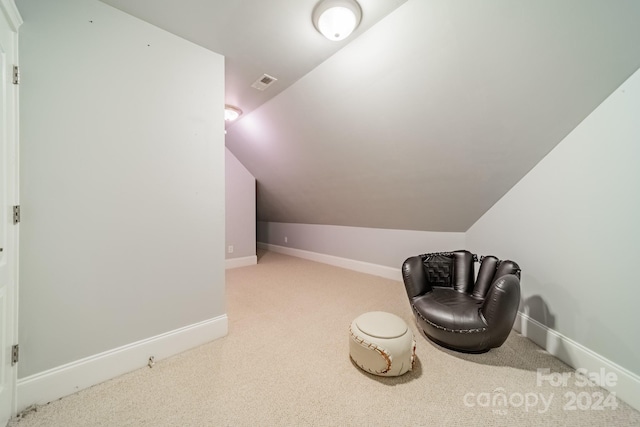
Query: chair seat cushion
{"x": 450, "y": 310}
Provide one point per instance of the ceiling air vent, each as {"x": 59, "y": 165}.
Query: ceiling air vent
{"x": 264, "y": 82}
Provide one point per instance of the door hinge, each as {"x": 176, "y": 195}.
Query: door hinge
{"x": 16, "y": 214}
{"x": 16, "y": 75}
{"x": 15, "y": 354}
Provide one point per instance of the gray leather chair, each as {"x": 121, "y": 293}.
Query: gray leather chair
{"x": 456, "y": 311}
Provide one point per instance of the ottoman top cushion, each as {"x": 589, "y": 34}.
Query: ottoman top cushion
{"x": 380, "y": 324}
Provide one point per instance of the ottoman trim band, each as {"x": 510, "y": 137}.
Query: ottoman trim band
{"x": 385, "y": 355}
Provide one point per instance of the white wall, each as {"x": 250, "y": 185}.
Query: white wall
{"x": 572, "y": 225}
{"x": 122, "y": 183}
{"x": 371, "y": 245}
{"x": 240, "y": 211}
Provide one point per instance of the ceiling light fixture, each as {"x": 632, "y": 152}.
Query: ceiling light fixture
{"x": 336, "y": 19}
{"x": 231, "y": 113}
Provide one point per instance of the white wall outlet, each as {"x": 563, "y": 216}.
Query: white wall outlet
{"x": 286, "y": 239}
{"x": 230, "y": 249}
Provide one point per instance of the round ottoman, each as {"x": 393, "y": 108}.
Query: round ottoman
{"x": 382, "y": 344}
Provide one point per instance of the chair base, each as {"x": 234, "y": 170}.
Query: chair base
{"x": 448, "y": 347}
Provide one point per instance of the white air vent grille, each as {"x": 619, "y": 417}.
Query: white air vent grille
{"x": 264, "y": 82}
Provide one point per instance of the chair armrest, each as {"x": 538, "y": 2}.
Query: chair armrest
{"x": 501, "y": 306}
{"x": 414, "y": 277}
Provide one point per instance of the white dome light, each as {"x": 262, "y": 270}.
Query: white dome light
{"x": 231, "y": 113}
{"x": 336, "y": 19}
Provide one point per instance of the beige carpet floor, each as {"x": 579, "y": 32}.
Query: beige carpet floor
{"x": 285, "y": 362}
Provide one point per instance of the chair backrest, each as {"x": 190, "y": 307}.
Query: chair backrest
{"x": 457, "y": 270}
{"x": 463, "y": 271}
{"x": 491, "y": 268}
{"x": 450, "y": 269}
{"x": 439, "y": 269}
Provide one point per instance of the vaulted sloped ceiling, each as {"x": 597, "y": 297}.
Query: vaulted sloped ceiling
{"x": 276, "y": 37}
{"x": 425, "y": 120}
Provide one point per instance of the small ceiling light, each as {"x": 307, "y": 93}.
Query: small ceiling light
{"x": 336, "y": 19}
{"x": 231, "y": 113}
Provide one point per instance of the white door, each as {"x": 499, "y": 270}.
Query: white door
{"x": 9, "y": 22}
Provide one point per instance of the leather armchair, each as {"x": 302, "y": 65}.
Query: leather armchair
{"x": 456, "y": 311}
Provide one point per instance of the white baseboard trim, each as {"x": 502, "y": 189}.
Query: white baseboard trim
{"x": 241, "y": 262}
{"x": 627, "y": 384}
{"x": 61, "y": 381}
{"x": 350, "y": 264}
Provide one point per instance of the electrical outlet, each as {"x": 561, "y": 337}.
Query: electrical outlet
{"x": 286, "y": 239}
{"x": 230, "y": 249}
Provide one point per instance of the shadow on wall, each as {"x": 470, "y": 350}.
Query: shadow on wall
{"x": 537, "y": 309}
{"x": 540, "y": 323}
{"x": 577, "y": 325}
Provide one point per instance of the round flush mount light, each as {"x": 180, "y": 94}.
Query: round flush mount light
{"x": 336, "y": 19}
{"x": 231, "y": 113}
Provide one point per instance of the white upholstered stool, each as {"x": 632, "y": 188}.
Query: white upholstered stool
{"x": 382, "y": 344}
